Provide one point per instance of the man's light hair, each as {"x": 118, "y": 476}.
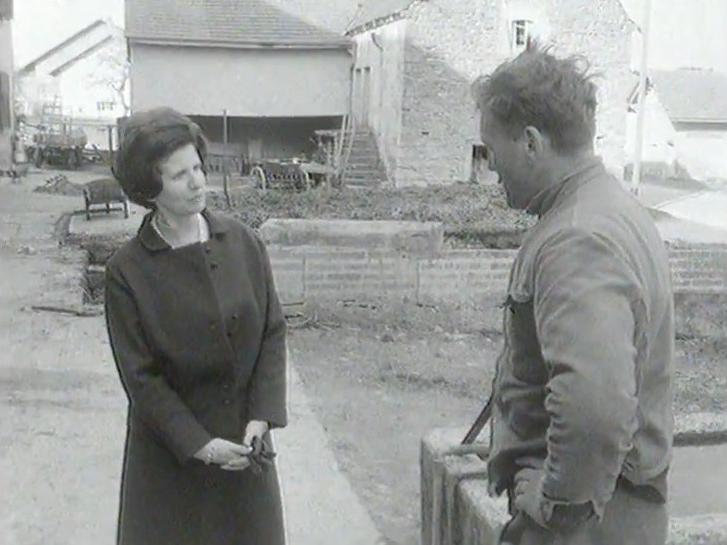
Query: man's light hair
{"x": 555, "y": 95}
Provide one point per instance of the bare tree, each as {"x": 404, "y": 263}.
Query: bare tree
{"x": 113, "y": 70}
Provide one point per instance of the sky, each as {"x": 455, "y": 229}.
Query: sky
{"x": 683, "y": 33}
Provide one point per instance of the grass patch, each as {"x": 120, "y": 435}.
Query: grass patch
{"x": 473, "y": 215}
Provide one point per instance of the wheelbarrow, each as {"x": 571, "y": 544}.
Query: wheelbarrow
{"x": 104, "y": 191}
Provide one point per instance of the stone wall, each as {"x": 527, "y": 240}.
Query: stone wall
{"x": 448, "y": 43}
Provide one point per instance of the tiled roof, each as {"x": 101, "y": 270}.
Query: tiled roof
{"x": 372, "y": 10}
{"x": 223, "y": 22}
{"x": 333, "y": 15}
{"x": 692, "y": 95}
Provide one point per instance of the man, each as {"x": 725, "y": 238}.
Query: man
{"x": 582, "y": 425}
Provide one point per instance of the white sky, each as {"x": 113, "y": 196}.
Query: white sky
{"x": 684, "y": 32}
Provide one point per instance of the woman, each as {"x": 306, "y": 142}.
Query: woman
{"x": 198, "y": 337}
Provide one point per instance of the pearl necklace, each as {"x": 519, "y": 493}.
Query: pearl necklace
{"x": 202, "y": 234}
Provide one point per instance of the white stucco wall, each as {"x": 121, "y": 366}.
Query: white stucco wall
{"x": 386, "y": 62}
{"x": 660, "y": 138}
{"x": 245, "y": 82}
{"x": 82, "y": 85}
{"x": 704, "y": 153}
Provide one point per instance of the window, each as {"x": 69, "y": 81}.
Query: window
{"x": 521, "y": 35}
{"x": 106, "y": 106}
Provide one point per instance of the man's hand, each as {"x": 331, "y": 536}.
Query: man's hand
{"x": 255, "y": 428}
{"x": 228, "y": 455}
{"x": 556, "y": 516}
{"x": 529, "y": 494}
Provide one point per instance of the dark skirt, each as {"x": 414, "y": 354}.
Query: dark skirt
{"x": 164, "y": 502}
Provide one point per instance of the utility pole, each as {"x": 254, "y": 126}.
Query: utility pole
{"x": 640, "y": 114}
{"x": 225, "y": 177}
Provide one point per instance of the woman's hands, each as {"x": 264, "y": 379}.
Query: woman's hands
{"x": 228, "y": 455}
{"x": 255, "y": 428}
{"x": 231, "y": 456}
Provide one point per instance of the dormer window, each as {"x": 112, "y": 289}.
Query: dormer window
{"x": 521, "y": 35}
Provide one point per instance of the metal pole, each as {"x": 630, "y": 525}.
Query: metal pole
{"x": 225, "y": 181}
{"x": 640, "y": 114}
{"x": 110, "y": 131}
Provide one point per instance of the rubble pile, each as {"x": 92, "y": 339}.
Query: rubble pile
{"x": 60, "y": 185}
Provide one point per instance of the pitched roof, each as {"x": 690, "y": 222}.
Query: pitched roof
{"x": 333, "y": 15}
{"x": 30, "y": 66}
{"x": 371, "y": 12}
{"x": 691, "y": 95}
{"x": 225, "y": 23}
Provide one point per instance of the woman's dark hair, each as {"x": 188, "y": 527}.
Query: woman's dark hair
{"x": 148, "y": 138}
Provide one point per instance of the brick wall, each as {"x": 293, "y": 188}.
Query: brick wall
{"x": 452, "y": 276}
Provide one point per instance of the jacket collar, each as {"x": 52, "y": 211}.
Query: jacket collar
{"x": 151, "y": 240}
{"x": 550, "y": 196}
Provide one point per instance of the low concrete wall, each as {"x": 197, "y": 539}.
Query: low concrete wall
{"x": 413, "y": 237}
{"x": 457, "y": 510}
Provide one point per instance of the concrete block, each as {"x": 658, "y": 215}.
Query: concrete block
{"x": 288, "y": 275}
{"x": 465, "y": 276}
{"x": 351, "y": 275}
{"x": 457, "y": 509}
{"x": 396, "y": 236}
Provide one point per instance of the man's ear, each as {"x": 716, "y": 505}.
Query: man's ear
{"x": 535, "y": 142}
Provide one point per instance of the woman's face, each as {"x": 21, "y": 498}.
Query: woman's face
{"x": 183, "y": 183}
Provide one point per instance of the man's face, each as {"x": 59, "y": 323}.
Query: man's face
{"x": 508, "y": 157}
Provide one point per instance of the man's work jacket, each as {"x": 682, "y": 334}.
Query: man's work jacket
{"x": 583, "y": 386}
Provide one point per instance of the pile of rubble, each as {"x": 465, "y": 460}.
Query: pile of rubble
{"x": 60, "y": 185}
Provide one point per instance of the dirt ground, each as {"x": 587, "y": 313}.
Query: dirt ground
{"x": 380, "y": 376}
{"x": 378, "y": 386}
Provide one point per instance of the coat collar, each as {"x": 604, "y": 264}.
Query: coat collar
{"x": 151, "y": 240}
{"x": 551, "y": 196}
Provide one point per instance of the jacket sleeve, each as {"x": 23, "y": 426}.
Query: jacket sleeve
{"x": 267, "y": 390}
{"x": 585, "y": 296}
{"x": 150, "y": 395}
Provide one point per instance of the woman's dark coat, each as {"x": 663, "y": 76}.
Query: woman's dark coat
{"x": 198, "y": 336}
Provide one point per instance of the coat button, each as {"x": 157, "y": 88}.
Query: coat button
{"x": 234, "y": 316}
{"x": 227, "y": 401}
{"x": 213, "y": 326}
{"x": 226, "y": 386}
{"x": 229, "y": 334}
